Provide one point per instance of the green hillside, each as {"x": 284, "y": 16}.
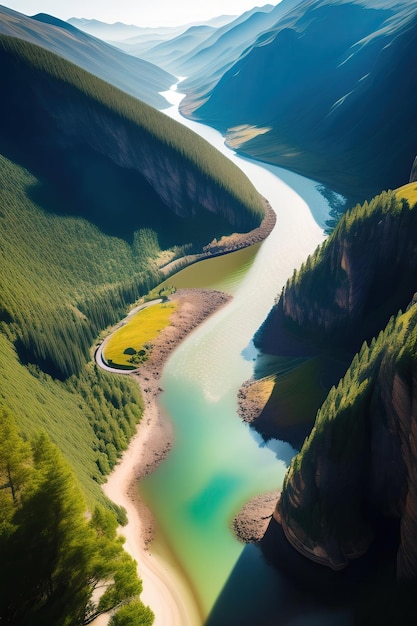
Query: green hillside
{"x": 112, "y": 158}
{"x": 351, "y": 490}
{"x": 97, "y": 191}
{"x": 62, "y": 281}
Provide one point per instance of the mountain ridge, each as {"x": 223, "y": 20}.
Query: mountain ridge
{"x": 134, "y": 76}
{"x": 339, "y": 110}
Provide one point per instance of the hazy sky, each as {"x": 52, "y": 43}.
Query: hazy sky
{"x": 140, "y": 12}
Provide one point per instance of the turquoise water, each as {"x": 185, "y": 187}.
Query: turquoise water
{"x": 217, "y": 463}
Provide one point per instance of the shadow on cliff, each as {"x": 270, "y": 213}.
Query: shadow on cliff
{"x": 273, "y": 585}
{"x": 264, "y": 593}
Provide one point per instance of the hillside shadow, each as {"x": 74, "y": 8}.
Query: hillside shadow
{"x": 273, "y": 585}
{"x": 264, "y": 594}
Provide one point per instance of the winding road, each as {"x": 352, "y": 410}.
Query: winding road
{"x": 98, "y": 356}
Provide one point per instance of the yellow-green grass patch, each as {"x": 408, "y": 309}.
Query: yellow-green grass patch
{"x": 409, "y": 192}
{"x": 238, "y": 135}
{"x": 137, "y": 334}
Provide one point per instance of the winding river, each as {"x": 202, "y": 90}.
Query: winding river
{"x": 217, "y": 462}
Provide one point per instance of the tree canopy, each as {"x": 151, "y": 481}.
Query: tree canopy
{"x": 59, "y": 564}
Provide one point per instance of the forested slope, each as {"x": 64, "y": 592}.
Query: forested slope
{"x": 97, "y": 191}
{"x": 356, "y": 472}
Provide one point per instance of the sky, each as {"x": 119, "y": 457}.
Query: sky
{"x": 139, "y": 12}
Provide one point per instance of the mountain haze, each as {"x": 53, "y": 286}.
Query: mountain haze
{"x": 134, "y": 76}
{"x": 219, "y": 48}
{"x": 325, "y": 91}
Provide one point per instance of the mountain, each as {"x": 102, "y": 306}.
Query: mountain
{"x": 166, "y": 53}
{"x": 103, "y": 30}
{"x": 205, "y": 65}
{"x": 106, "y": 157}
{"x": 353, "y": 484}
{"x": 139, "y": 78}
{"x": 220, "y": 47}
{"x": 120, "y": 33}
{"x": 326, "y": 91}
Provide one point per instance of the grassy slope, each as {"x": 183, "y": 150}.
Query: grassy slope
{"x": 137, "y": 333}
{"x": 135, "y": 76}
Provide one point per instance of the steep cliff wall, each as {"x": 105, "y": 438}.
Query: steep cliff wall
{"x": 359, "y": 463}
{"x": 349, "y": 288}
{"x": 111, "y": 154}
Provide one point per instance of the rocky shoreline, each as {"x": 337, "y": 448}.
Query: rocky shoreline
{"x": 226, "y": 244}
{"x": 250, "y": 524}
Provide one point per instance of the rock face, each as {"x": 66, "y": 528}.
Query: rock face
{"x": 358, "y": 466}
{"x": 119, "y": 159}
{"x": 349, "y": 288}
{"x": 413, "y": 173}
{"x": 359, "y": 463}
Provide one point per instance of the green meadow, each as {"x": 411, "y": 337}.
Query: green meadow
{"x": 132, "y": 343}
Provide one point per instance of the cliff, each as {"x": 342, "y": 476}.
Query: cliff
{"x": 113, "y": 159}
{"x": 359, "y": 463}
{"x": 348, "y": 289}
{"x": 358, "y": 466}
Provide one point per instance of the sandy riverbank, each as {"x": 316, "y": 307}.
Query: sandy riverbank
{"x": 163, "y": 590}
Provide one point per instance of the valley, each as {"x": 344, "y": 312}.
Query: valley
{"x": 249, "y": 426}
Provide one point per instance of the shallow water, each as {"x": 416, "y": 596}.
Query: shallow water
{"x": 217, "y": 462}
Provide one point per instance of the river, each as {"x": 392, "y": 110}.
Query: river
{"x": 217, "y": 462}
